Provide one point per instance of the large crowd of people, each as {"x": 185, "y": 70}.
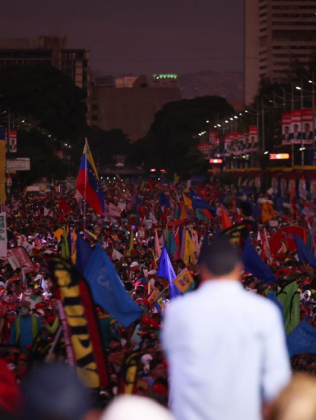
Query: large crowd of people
{"x": 140, "y": 218}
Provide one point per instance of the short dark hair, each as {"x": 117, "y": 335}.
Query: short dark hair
{"x": 154, "y": 363}
{"x": 220, "y": 257}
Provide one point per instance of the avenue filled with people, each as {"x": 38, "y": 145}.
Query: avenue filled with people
{"x": 125, "y": 267}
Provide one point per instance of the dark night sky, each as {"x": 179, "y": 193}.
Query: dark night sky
{"x": 137, "y": 36}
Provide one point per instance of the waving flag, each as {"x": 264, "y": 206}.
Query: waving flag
{"x": 108, "y": 290}
{"x": 304, "y": 253}
{"x": 199, "y": 203}
{"x": 166, "y": 271}
{"x": 302, "y": 339}
{"x": 254, "y": 264}
{"x": 163, "y": 200}
{"x": 88, "y": 183}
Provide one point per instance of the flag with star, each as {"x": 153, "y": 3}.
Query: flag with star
{"x": 88, "y": 183}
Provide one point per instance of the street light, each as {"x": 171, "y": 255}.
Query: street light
{"x": 236, "y": 117}
{"x": 266, "y": 153}
{"x": 218, "y": 125}
{"x": 231, "y": 119}
{"x": 226, "y": 121}
{"x": 207, "y": 121}
{"x": 298, "y": 88}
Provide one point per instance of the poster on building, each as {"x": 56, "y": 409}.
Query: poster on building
{"x": 296, "y": 126}
{"x": 3, "y": 235}
{"x": 307, "y": 125}
{"x": 258, "y": 183}
{"x": 283, "y": 187}
{"x": 274, "y": 184}
{"x": 213, "y": 137}
{"x": 228, "y": 142}
{"x": 286, "y": 128}
{"x": 292, "y": 184}
{"x": 12, "y": 141}
{"x": 246, "y": 142}
{"x": 313, "y": 189}
{"x": 302, "y": 188}
{"x": 253, "y": 137}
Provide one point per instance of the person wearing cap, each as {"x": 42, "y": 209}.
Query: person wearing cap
{"x": 25, "y": 328}
{"x": 229, "y": 366}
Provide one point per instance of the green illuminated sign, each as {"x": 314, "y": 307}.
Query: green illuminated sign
{"x": 165, "y": 76}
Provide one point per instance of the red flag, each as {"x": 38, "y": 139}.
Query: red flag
{"x": 226, "y": 223}
{"x": 63, "y": 206}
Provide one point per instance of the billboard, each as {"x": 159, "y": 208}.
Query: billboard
{"x": 296, "y": 126}
{"x": 286, "y": 128}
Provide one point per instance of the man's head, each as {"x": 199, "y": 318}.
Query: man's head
{"x": 157, "y": 369}
{"x": 25, "y": 308}
{"x": 295, "y": 128}
{"x": 307, "y": 128}
{"x": 220, "y": 260}
{"x": 286, "y": 129}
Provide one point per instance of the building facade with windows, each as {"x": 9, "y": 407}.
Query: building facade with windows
{"x": 53, "y": 50}
{"x": 277, "y": 32}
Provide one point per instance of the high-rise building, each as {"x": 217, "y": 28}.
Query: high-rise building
{"x": 49, "y": 49}
{"x": 277, "y": 32}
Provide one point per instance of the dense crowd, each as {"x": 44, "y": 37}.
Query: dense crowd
{"x": 149, "y": 213}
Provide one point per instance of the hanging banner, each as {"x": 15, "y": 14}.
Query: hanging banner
{"x": 274, "y": 184}
{"x": 302, "y": 188}
{"x": 296, "y": 126}
{"x": 286, "y": 128}
{"x": 247, "y": 142}
{"x": 283, "y": 186}
{"x": 307, "y": 125}
{"x": 313, "y": 189}
{"x": 283, "y": 240}
{"x": 12, "y": 146}
{"x": 292, "y": 184}
{"x": 258, "y": 183}
{"x": 228, "y": 140}
{"x": 253, "y": 135}
{"x": 213, "y": 137}
{"x": 3, "y": 235}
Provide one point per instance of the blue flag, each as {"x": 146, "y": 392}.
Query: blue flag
{"x": 166, "y": 271}
{"x": 199, "y": 203}
{"x": 302, "y": 339}
{"x": 138, "y": 200}
{"x": 108, "y": 290}
{"x": 163, "y": 200}
{"x": 254, "y": 264}
{"x": 84, "y": 253}
{"x": 304, "y": 253}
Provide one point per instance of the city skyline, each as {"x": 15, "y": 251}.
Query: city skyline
{"x": 139, "y": 37}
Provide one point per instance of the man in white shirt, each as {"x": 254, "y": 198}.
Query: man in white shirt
{"x": 225, "y": 364}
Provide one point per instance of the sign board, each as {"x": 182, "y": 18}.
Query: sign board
{"x": 279, "y": 156}
{"x": 20, "y": 164}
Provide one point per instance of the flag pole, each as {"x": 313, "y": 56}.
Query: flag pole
{"x": 85, "y": 187}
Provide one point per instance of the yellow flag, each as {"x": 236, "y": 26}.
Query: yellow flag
{"x": 190, "y": 254}
{"x": 187, "y": 201}
{"x": 267, "y": 212}
{"x": 58, "y": 234}
{"x": 183, "y": 215}
{"x": 183, "y": 281}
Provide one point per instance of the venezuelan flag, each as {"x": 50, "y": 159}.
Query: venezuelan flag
{"x": 88, "y": 183}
